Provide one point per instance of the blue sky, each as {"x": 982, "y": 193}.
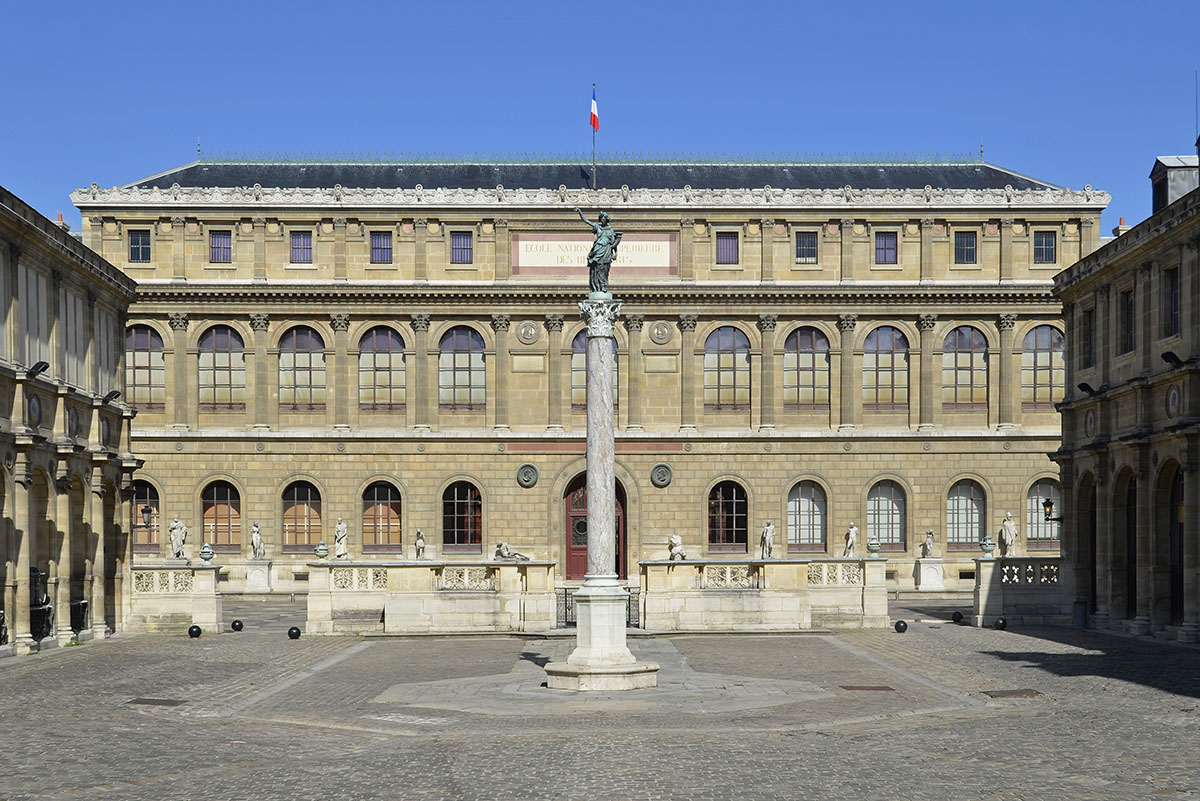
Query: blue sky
{"x": 1072, "y": 93}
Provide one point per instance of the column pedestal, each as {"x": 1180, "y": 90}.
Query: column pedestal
{"x": 929, "y": 573}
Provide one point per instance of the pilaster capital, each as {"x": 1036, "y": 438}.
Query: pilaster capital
{"x": 259, "y": 222}
{"x": 500, "y": 222}
{"x": 926, "y": 322}
{"x": 927, "y": 222}
{"x": 847, "y": 223}
{"x": 1006, "y": 222}
{"x": 501, "y": 322}
{"x": 339, "y": 321}
{"x": 767, "y": 322}
{"x": 259, "y": 321}
{"x": 687, "y": 222}
{"x": 178, "y": 320}
{"x": 634, "y": 322}
{"x": 847, "y": 322}
{"x": 687, "y": 322}
{"x": 180, "y": 221}
{"x": 421, "y": 222}
{"x": 339, "y": 222}
{"x": 95, "y": 219}
{"x": 420, "y": 322}
{"x": 1087, "y": 222}
{"x": 767, "y": 223}
{"x": 1006, "y": 321}
{"x": 553, "y": 322}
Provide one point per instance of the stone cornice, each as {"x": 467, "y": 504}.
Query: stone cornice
{"x": 258, "y": 197}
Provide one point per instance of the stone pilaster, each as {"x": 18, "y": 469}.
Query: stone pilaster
{"x": 421, "y": 396}
{"x": 767, "y": 226}
{"x": 928, "y": 385}
{"x": 847, "y": 250}
{"x": 179, "y": 370}
{"x": 178, "y": 263}
{"x": 25, "y": 525}
{"x": 1005, "y": 375}
{"x": 421, "y": 261}
{"x": 687, "y": 249}
{"x": 61, "y": 566}
{"x": 500, "y": 324}
{"x": 1006, "y": 248}
{"x": 554, "y": 395}
{"x": 339, "y": 248}
{"x": 927, "y": 235}
{"x": 687, "y": 373}
{"x": 503, "y": 249}
{"x": 848, "y": 414}
{"x": 259, "y": 225}
{"x": 342, "y": 380}
{"x": 634, "y": 376}
{"x": 766, "y": 325}
{"x": 98, "y": 603}
{"x": 259, "y": 323}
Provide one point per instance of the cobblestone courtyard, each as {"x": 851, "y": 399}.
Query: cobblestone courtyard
{"x": 930, "y": 714}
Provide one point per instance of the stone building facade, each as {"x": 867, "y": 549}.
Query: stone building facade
{"x": 64, "y": 539}
{"x": 398, "y": 345}
{"x": 1130, "y": 456}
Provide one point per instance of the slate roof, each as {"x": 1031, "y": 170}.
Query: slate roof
{"x": 980, "y": 175}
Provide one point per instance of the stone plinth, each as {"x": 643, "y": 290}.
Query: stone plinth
{"x": 258, "y": 575}
{"x": 167, "y": 597}
{"x": 930, "y": 573}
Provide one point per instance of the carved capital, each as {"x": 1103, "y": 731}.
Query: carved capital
{"x": 634, "y": 322}
{"x": 687, "y": 222}
{"x": 339, "y": 222}
{"x": 847, "y": 224}
{"x": 766, "y": 222}
{"x": 420, "y": 322}
{"x": 687, "y": 322}
{"x": 421, "y": 222}
{"x": 178, "y": 320}
{"x": 1006, "y": 321}
{"x": 95, "y": 220}
{"x": 1006, "y": 222}
{"x": 259, "y": 222}
{"x": 553, "y": 322}
{"x": 501, "y": 322}
{"x": 847, "y": 322}
{"x": 600, "y": 316}
{"x": 259, "y": 322}
{"x": 927, "y": 222}
{"x": 339, "y": 321}
{"x": 767, "y": 322}
{"x": 178, "y": 221}
{"x": 1087, "y": 222}
{"x": 926, "y": 322}
{"x": 501, "y": 222}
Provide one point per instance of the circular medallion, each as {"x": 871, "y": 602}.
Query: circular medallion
{"x": 926, "y": 447}
{"x": 35, "y": 411}
{"x": 846, "y": 447}
{"x": 687, "y": 446}
{"x": 1089, "y": 423}
{"x": 527, "y": 475}
{"x": 1173, "y": 401}
{"x": 341, "y": 446}
{"x": 1008, "y": 446}
{"x": 421, "y": 448}
{"x": 260, "y": 447}
{"x": 502, "y": 447}
{"x": 767, "y": 447}
{"x": 660, "y": 332}
{"x": 178, "y": 446}
{"x": 660, "y": 475}
{"x": 528, "y": 332}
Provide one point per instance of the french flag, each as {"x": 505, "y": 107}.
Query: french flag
{"x": 595, "y": 114}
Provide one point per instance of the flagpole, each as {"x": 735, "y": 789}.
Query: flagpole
{"x": 593, "y": 146}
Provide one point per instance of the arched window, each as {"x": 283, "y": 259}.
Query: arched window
{"x": 726, "y": 370}
{"x": 144, "y": 539}
{"x": 301, "y": 516}
{"x": 727, "y": 517}
{"x": 145, "y": 386}
{"x": 222, "y": 515}
{"x": 302, "y": 370}
{"x": 579, "y": 372}
{"x": 964, "y": 370}
{"x": 381, "y": 517}
{"x": 966, "y": 514}
{"x": 806, "y": 370}
{"x": 462, "y": 381}
{"x": 462, "y": 517}
{"x": 885, "y": 370}
{"x": 222, "y": 369}
{"x": 806, "y": 517}
{"x": 1043, "y": 370}
{"x": 887, "y": 515}
{"x": 381, "y": 370}
{"x": 1038, "y": 530}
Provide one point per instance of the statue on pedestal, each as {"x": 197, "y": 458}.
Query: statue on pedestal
{"x": 766, "y": 540}
{"x": 851, "y": 541}
{"x": 927, "y": 545}
{"x": 340, "y": 533}
{"x": 675, "y": 545}
{"x": 419, "y": 544}
{"x": 178, "y": 532}
{"x": 1008, "y": 534}
{"x": 604, "y": 250}
{"x": 257, "y": 549}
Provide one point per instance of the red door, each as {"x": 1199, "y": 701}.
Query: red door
{"x": 576, "y": 531}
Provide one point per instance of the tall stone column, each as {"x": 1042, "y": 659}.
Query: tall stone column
{"x": 1007, "y": 380}
{"x": 62, "y": 567}
{"x": 1189, "y": 631}
{"x": 766, "y": 325}
{"x": 1148, "y": 572}
{"x": 418, "y": 393}
{"x": 98, "y": 603}
{"x": 554, "y": 394}
{"x": 601, "y": 659}
{"x": 500, "y": 324}
{"x": 634, "y": 376}
{"x": 259, "y": 323}
{"x": 179, "y": 370}
{"x": 340, "y": 323}
{"x": 25, "y": 524}
{"x": 687, "y": 378}
{"x": 928, "y": 385}
{"x": 847, "y": 415}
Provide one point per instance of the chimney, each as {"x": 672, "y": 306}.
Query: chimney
{"x": 1121, "y": 228}
{"x": 62, "y": 224}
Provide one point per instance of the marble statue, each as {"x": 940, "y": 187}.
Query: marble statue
{"x": 766, "y": 540}
{"x": 675, "y": 544}
{"x": 927, "y": 545}
{"x": 178, "y": 532}
{"x": 603, "y": 252}
{"x": 504, "y": 552}
{"x": 1008, "y": 534}
{"x": 340, "y": 533}
{"x": 258, "y": 550}
{"x": 420, "y": 544}
{"x": 851, "y": 541}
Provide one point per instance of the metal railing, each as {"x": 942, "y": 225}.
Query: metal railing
{"x": 565, "y": 608}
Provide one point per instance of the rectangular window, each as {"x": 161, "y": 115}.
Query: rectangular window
{"x": 301, "y": 247}
{"x": 1170, "y": 302}
{"x": 220, "y": 247}
{"x": 139, "y": 246}
{"x": 1044, "y": 247}
{"x": 460, "y": 247}
{"x": 1087, "y": 339}
{"x": 1127, "y": 318}
{"x": 964, "y": 247}
{"x": 727, "y": 247}
{"x": 381, "y": 247}
{"x": 885, "y": 247}
{"x": 806, "y": 247}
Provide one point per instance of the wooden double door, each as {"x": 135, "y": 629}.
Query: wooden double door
{"x": 575, "y": 508}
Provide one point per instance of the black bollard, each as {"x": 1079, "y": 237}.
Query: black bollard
{"x": 957, "y": 616}
{"x": 1000, "y": 624}
{"x": 294, "y": 632}
{"x": 901, "y": 627}
{"x": 194, "y": 631}
{"x": 236, "y": 625}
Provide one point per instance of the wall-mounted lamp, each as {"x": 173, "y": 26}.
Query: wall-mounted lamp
{"x": 37, "y": 369}
{"x": 1087, "y": 388}
{"x": 1170, "y": 358}
{"x": 1048, "y": 508}
{"x": 112, "y": 396}
{"x": 147, "y": 514}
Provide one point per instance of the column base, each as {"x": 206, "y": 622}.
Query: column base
{"x": 687, "y": 428}
{"x": 180, "y": 427}
{"x": 1188, "y": 631}
{"x": 926, "y": 427}
{"x": 25, "y": 645}
{"x": 554, "y": 428}
{"x": 599, "y": 678}
{"x": 341, "y": 427}
{"x": 846, "y": 426}
{"x": 260, "y": 427}
{"x": 500, "y": 427}
{"x": 100, "y": 632}
{"x": 422, "y": 428}
{"x": 1139, "y": 626}
{"x": 634, "y": 428}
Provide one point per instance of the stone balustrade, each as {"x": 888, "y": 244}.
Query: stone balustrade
{"x": 762, "y": 594}
{"x": 1020, "y": 589}
{"x": 172, "y": 597}
{"x": 422, "y": 597}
